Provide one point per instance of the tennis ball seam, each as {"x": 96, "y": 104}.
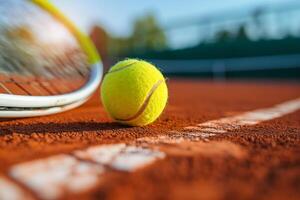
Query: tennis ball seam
{"x": 122, "y": 68}
{"x": 144, "y": 105}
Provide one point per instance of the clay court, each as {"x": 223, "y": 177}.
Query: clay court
{"x": 230, "y": 128}
{"x": 215, "y": 140}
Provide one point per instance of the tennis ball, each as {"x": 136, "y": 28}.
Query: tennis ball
{"x": 134, "y": 92}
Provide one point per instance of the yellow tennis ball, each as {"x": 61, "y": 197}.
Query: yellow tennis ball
{"x": 134, "y": 92}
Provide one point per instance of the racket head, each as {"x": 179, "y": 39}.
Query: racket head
{"x": 49, "y": 62}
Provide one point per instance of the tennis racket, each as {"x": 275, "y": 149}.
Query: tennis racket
{"x": 46, "y": 64}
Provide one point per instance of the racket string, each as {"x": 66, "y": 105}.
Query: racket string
{"x": 39, "y": 86}
{"x": 39, "y": 56}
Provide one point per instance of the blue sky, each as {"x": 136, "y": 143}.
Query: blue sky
{"x": 117, "y": 15}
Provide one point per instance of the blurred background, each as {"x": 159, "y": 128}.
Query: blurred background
{"x": 196, "y": 38}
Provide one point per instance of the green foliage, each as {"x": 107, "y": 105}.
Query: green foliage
{"x": 147, "y": 35}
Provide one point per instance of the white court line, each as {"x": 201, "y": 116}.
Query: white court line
{"x": 11, "y": 191}
{"x": 224, "y": 125}
{"x": 51, "y": 177}
{"x": 120, "y": 156}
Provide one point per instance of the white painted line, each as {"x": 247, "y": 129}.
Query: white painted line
{"x": 55, "y": 176}
{"x": 11, "y": 191}
{"x": 224, "y": 125}
{"x": 205, "y": 129}
{"x": 121, "y": 157}
{"x": 52, "y": 177}
{"x": 133, "y": 158}
{"x": 103, "y": 154}
{"x": 160, "y": 139}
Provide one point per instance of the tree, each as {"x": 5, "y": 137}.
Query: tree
{"x": 147, "y": 34}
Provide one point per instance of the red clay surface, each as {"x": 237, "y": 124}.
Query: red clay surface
{"x": 264, "y": 161}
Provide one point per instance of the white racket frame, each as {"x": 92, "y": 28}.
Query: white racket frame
{"x": 40, "y": 111}
{"x": 30, "y": 106}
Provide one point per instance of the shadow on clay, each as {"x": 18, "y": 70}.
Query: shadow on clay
{"x": 42, "y": 128}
